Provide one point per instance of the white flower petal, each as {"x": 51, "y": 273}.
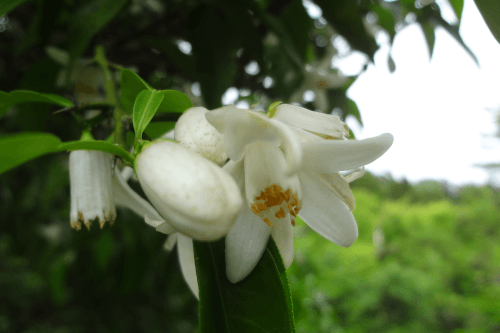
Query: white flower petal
{"x": 352, "y": 176}
{"x": 236, "y": 170}
{"x": 314, "y": 122}
{"x": 283, "y": 236}
{"x": 195, "y": 132}
{"x": 195, "y": 195}
{"x": 186, "y": 259}
{"x": 169, "y": 135}
{"x": 171, "y": 241}
{"x": 329, "y": 156}
{"x": 245, "y": 244}
{"x": 265, "y": 166}
{"x": 217, "y": 117}
{"x": 325, "y": 212}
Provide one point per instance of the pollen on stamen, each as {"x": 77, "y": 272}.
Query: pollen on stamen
{"x": 76, "y": 225}
{"x": 274, "y": 202}
{"x": 321, "y": 84}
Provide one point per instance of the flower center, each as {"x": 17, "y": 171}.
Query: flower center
{"x": 273, "y": 203}
{"x": 321, "y": 84}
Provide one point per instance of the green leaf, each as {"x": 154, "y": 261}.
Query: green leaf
{"x": 386, "y": 19}
{"x": 20, "y": 148}
{"x": 25, "y": 96}
{"x": 145, "y": 107}
{"x": 7, "y": 5}
{"x": 174, "y": 101}
{"x": 131, "y": 85}
{"x": 490, "y": 10}
{"x": 458, "y": 6}
{"x": 298, "y": 25}
{"x": 96, "y": 145}
{"x": 430, "y": 36}
{"x": 453, "y": 31}
{"x": 344, "y": 16}
{"x": 259, "y": 303}
{"x": 157, "y": 129}
{"x": 89, "y": 20}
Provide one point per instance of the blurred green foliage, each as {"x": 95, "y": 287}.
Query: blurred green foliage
{"x": 426, "y": 261}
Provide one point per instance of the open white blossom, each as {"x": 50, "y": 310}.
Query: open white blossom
{"x": 191, "y": 193}
{"x": 288, "y": 165}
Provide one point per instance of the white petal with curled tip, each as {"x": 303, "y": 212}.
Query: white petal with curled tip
{"x": 315, "y": 122}
{"x": 195, "y": 132}
{"x": 217, "y": 117}
{"x": 245, "y": 244}
{"x": 325, "y": 212}
{"x": 126, "y": 197}
{"x": 329, "y": 156}
{"x": 195, "y": 195}
{"x": 186, "y": 259}
{"x": 283, "y": 236}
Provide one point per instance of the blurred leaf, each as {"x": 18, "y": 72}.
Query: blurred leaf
{"x": 157, "y": 129}
{"x": 182, "y": 61}
{"x": 299, "y": 26}
{"x": 430, "y": 36}
{"x": 131, "y": 85}
{"x": 145, "y": 106}
{"x": 337, "y": 98}
{"x": 391, "y": 64}
{"x": 25, "y": 96}
{"x": 96, "y": 145}
{"x": 214, "y": 49}
{"x": 7, "y": 5}
{"x": 453, "y": 31}
{"x": 174, "y": 101}
{"x": 386, "y": 19}
{"x": 20, "y": 148}
{"x": 87, "y": 21}
{"x": 458, "y": 6}
{"x": 344, "y": 16}
{"x": 259, "y": 303}
{"x": 490, "y": 10}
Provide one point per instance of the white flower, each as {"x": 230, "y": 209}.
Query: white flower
{"x": 285, "y": 169}
{"x": 91, "y": 191}
{"x": 191, "y": 193}
{"x": 96, "y": 188}
{"x": 194, "y": 132}
{"x": 318, "y": 77}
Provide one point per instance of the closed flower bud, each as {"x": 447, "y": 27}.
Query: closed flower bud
{"x": 193, "y": 194}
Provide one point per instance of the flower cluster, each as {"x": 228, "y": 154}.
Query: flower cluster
{"x": 237, "y": 173}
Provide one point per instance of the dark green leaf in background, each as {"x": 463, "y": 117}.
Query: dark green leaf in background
{"x": 145, "y": 106}
{"x": 259, "y": 303}
{"x": 458, "y": 6}
{"x": 174, "y": 101}
{"x": 156, "y": 129}
{"x": 490, "y": 10}
{"x": 20, "y": 148}
{"x": 298, "y": 24}
{"x": 430, "y": 36}
{"x": 25, "y": 96}
{"x": 7, "y": 5}
{"x": 345, "y": 18}
{"x": 131, "y": 85}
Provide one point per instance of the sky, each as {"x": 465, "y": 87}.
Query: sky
{"x": 439, "y": 111}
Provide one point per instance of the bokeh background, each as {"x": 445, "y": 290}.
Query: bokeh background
{"x": 427, "y": 258}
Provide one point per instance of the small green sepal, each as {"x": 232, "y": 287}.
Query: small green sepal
{"x": 272, "y": 108}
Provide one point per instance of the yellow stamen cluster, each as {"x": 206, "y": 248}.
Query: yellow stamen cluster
{"x": 321, "y": 84}
{"x": 276, "y": 199}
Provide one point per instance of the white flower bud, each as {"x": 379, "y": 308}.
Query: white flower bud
{"x": 195, "y": 132}
{"x": 91, "y": 190}
{"x": 193, "y": 194}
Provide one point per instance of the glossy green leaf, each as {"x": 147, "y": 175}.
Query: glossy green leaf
{"x": 20, "y": 148}
{"x": 25, "y": 96}
{"x": 259, "y": 303}
{"x": 7, "y": 5}
{"x": 145, "y": 107}
{"x": 96, "y": 145}
{"x": 344, "y": 16}
{"x": 131, "y": 85}
{"x": 174, "y": 101}
{"x": 490, "y": 10}
{"x": 157, "y": 129}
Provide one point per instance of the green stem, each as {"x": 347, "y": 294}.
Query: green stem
{"x": 100, "y": 57}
